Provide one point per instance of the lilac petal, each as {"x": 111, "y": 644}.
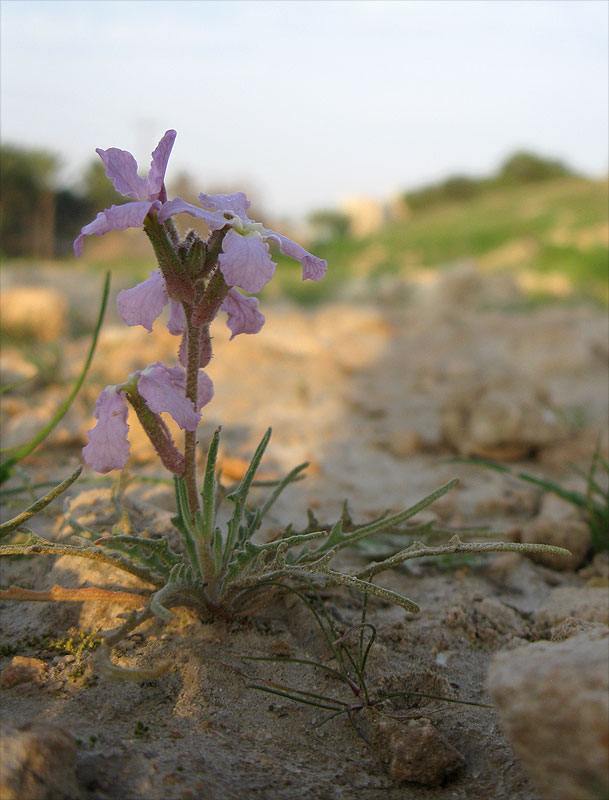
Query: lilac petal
{"x": 214, "y": 219}
{"x": 312, "y": 267}
{"x": 236, "y": 203}
{"x": 142, "y": 304}
{"x": 243, "y": 314}
{"x": 99, "y": 226}
{"x": 205, "y": 390}
{"x": 160, "y": 157}
{"x": 183, "y": 351}
{"x": 108, "y": 447}
{"x": 121, "y": 168}
{"x": 164, "y": 389}
{"x": 129, "y": 215}
{"x": 177, "y": 320}
{"x": 245, "y": 261}
{"x": 115, "y": 218}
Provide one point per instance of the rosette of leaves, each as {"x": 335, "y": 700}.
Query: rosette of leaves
{"x": 222, "y": 571}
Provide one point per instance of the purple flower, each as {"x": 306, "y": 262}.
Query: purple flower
{"x": 245, "y": 260}
{"x": 243, "y": 314}
{"x": 148, "y": 193}
{"x": 108, "y": 447}
{"x": 142, "y": 304}
{"x": 164, "y": 389}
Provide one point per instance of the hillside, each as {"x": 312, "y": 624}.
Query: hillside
{"x": 552, "y": 236}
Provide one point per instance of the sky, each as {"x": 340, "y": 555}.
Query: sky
{"x": 305, "y": 102}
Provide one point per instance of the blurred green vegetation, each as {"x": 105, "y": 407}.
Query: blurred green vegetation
{"x": 558, "y": 225}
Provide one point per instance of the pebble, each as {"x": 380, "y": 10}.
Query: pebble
{"x": 414, "y": 751}
{"x": 22, "y": 670}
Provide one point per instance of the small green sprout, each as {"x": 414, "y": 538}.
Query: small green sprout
{"x": 350, "y": 651}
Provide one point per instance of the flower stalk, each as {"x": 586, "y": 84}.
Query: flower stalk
{"x": 193, "y": 340}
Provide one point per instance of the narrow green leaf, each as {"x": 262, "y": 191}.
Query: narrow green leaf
{"x": 239, "y": 498}
{"x": 208, "y": 493}
{"x": 184, "y": 522}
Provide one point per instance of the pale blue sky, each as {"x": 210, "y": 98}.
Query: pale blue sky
{"x": 309, "y": 101}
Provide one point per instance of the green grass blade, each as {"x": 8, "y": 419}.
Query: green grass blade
{"x": 292, "y": 476}
{"x": 35, "y": 508}
{"x": 302, "y": 699}
{"x": 288, "y": 660}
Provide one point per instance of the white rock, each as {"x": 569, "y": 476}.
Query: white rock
{"x": 553, "y": 701}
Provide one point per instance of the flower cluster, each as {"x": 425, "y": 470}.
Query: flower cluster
{"x": 197, "y": 279}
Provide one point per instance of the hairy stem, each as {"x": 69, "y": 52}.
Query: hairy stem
{"x": 158, "y": 433}
{"x": 190, "y": 437}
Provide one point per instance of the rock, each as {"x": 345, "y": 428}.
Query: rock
{"x": 553, "y": 701}
{"x": 504, "y": 419}
{"x": 33, "y": 312}
{"x": 554, "y": 507}
{"x": 22, "y": 670}
{"x": 414, "y": 751}
{"x": 461, "y": 286}
{"x": 487, "y": 620}
{"x": 404, "y": 443}
{"x": 586, "y": 603}
{"x": 38, "y": 762}
{"x": 571, "y": 627}
{"x": 570, "y": 533}
{"x": 598, "y": 568}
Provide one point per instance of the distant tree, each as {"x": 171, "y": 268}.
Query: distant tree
{"x": 460, "y": 187}
{"x": 525, "y": 167}
{"x": 72, "y": 211}
{"x": 455, "y": 189}
{"x": 27, "y": 203}
{"x": 76, "y": 206}
{"x": 329, "y": 224}
{"x": 521, "y": 167}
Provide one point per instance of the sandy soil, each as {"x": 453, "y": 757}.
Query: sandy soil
{"x": 365, "y": 393}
